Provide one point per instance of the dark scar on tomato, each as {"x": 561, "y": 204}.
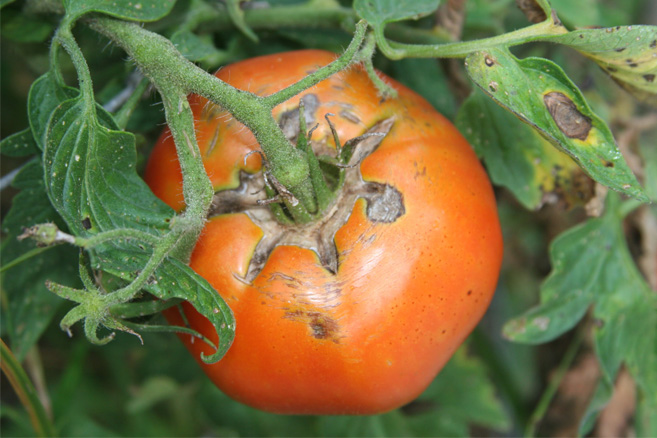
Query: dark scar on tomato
{"x": 385, "y": 204}
{"x": 568, "y": 118}
{"x": 322, "y": 326}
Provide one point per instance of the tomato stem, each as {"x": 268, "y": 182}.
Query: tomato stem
{"x": 536, "y": 32}
{"x": 366, "y": 54}
{"x": 314, "y": 78}
{"x": 322, "y": 190}
{"x": 173, "y": 75}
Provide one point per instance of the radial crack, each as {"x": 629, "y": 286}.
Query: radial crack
{"x": 384, "y": 205}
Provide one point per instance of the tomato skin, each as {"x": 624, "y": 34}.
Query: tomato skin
{"x": 371, "y": 337}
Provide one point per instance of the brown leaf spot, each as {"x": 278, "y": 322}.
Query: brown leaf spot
{"x": 653, "y": 45}
{"x": 489, "y": 61}
{"x": 649, "y": 78}
{"x": 566, "y": 115}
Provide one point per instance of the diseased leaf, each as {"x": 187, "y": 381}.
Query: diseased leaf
{"x": 519, "y": 158}
{"x": 20, "y": 144}
{"x": 380, "y": 12}
{"x": 539, "y": 93}
{"x": 134, "y": 10}
{"x": 30, "y": 306}
{"x": 627, "y": 53}
{"x": 592, "y": 267}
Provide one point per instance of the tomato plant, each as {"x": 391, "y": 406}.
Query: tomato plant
{"x": 319, "y": 237}
{"x": 410, "y": 283}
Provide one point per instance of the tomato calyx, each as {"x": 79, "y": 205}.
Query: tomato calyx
{"x": 384, "y": 204}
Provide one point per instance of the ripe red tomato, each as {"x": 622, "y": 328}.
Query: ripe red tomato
{"x": 407, "y": 292}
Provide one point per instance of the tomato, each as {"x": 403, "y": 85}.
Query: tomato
{"x": 406, "y": 291}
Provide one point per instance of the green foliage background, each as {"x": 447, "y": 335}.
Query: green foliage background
{"x": 492, "y": 386}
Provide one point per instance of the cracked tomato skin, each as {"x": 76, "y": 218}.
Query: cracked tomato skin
{"x": 373, "y": 336}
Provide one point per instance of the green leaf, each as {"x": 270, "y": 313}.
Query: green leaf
{"x": 195, "y": 48}
{"x": 153, "y": 391}
{"x": 427, "y": 78}
{"x": 24, "y": 28}
{"x": 627, "y": 53}
{"x": 134, "y": 10}
{"x": 579, "y": 14}
{"x": 44, "y": 96}
{"x": 92, "y": 182}
{"x": 20, "y": 144}
{"x": 519, "y": 158}
{"x": 174, "y": 279}
{"x": 30, "y": 206}
{"x": 4, "y": 3}
{"x": 462, "y": 395}
{"x": 91, "y": 177}
{"x": 539, "y": 93}
{"x": 380, "y": 12}
{"x": 237, "y": 16}
{"x": 30, "y": 306}
{"x": 385, "y": 425}
{"x": 592, "y": 266}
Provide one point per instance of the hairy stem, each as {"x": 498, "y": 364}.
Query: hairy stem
{"x": 172, "y": 74}
{"x": 395, "y": 50}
